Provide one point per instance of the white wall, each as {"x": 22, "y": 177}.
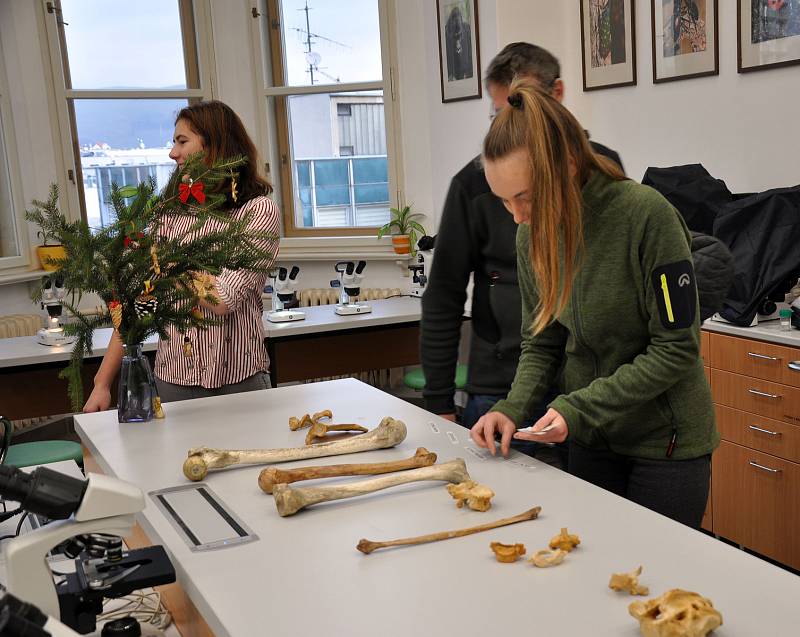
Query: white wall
{"x": 742, "y": 127}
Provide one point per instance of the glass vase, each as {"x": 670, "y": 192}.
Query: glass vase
{"x": 137, "y": 386}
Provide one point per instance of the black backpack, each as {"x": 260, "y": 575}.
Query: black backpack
{"x": 713, "y": 272}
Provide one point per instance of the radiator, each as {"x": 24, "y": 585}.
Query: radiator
{"x": 329, "y": 296}
{"x": 19, "y": 325}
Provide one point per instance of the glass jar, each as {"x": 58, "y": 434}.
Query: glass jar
{"x": 137, "y": 387}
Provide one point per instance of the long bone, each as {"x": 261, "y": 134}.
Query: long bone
{"x": 289, "y": 500}
{"x": 271, "y": 476}
{"x": 367, "y": 546}
{"x": 201, "y": 460}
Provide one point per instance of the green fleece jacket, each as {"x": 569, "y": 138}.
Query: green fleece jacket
{"x": 629, "y": 337}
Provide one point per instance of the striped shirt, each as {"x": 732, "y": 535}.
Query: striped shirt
{"x": 233, "y": 350}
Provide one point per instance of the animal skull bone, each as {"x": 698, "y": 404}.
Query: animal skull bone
{"x": 201, "y": 460}
{"x": 677, "y": 613}
{"x": 289, "y": 500}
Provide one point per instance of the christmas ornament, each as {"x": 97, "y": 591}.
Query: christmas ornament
{"x": 115, "y": 309}
{"x": 197, "y": 313}
{"x": 193, "y": 188}
{"x": 145, "y": 305}
{"x": 156, "y": 266}
{"x": 158, "y": 410}
{"x": 203, "y": 284}
{"x": 187, "y": 347}
{"x": 132, "y": 241}
{"x": 234, "y": 192}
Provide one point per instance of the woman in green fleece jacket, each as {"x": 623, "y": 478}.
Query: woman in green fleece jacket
{"x": 609, "y": 301}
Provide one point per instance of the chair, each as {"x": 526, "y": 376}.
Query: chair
{"x": 28, "y": 454}
{"x": 415, "y": 379}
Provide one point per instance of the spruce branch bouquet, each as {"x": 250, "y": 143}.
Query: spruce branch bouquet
{"x": 149, "y": 282}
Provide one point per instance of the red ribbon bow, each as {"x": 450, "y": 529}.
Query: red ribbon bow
{"x": 195, "y": 190}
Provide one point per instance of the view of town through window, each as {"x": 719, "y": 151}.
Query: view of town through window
{"x": 123, "y": 141}
{"x": 336, "y": 139}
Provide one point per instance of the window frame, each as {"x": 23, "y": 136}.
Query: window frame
{"x": 23, "y": 258}
{"x": 198, "y": 60}
{"x": 273, "y": 97}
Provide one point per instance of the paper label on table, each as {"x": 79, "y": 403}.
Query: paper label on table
{"x": 433, "y": 427}
{"x": 476, "y": 453}
{"x": 452, "y": 437}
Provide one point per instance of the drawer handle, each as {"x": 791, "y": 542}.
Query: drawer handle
{"x": 763, "y": 468}
{"x": 765, "y": 431}
{"x": 763, "y": 356}
{"x": 795, "y": 365}
{"x": 763, "y": 393}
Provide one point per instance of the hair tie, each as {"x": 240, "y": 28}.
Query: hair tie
{"x": 515, "y": 100}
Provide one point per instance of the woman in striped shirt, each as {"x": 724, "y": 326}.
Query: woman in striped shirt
{"x": 229, "y": 357}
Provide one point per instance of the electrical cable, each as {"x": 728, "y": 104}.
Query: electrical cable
{"x": 144, "y": 607}
{"x": 19, "y": 526}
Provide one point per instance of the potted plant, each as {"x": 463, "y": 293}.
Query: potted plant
{"x": 51, "y": 222}
{"x": 403, "y": 226}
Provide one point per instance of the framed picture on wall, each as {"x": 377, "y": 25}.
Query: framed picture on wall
{"x": 608, "y": 40}
{"x": 769, "y": 34}
{"x": 459, "y": 50}
{"x": 684, "y": 39}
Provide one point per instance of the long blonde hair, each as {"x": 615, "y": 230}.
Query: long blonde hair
{"x": 561, "y": 161}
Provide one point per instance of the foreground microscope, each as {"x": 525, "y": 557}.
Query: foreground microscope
{"x": 53, "y": 293}
{"x": 85, "y": 512}
{"x": 350, "y": 277}
{"x": 284, "y": 291}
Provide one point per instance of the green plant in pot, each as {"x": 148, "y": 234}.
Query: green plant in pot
{"x": 52, "y": 223}
{"x": 404, "y": 228}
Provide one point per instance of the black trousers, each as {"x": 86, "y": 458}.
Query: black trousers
{"x": 675, "y": 488}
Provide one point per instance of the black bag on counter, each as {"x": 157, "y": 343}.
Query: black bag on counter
{"x": 693, "y": 191}
{"x": 762, "y": 232}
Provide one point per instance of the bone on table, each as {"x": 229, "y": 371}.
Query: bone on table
{"x": 201, "y": 460}
{"x": 289, "y": 500}
{"x": 271, "y": 476}
{"x": 367, "y": 546}
{"x": 320, "y": 429}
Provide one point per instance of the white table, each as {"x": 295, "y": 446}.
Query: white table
{"x": 326, "y": 344}
{"x": 305, "y": 577}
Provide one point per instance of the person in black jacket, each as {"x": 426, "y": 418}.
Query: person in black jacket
{"x": 477, "y": 236}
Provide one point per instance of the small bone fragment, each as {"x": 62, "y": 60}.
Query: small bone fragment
{"x": 367, "y": 546}
{"x": 564, "y": 541}
{"x": 677, "y": 613}
{"x": 201, "y": 460}
{"x": 299, "y": 423}
{"x": 507, "y": 553}
{"x": 476, "y": 496}
{"x": 320, "y": 430}
{"x": 546, "y": 558}
{"x": 271, "y": 476}
{"x": 289, "y": 501}
{"x": 628, "y": 582}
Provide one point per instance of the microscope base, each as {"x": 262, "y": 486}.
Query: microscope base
{"x": 353, "y": 308}
{"x": 53, "y": 338}
{"x": 283, "y": 316}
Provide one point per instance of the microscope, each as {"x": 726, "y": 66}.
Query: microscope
{"x": 85, "y": 513}
{"x": 53, "y": 293}
{"x": 418, "y": 277}
{"x": 350, "y": 277}
{"x": 284, "y": 291}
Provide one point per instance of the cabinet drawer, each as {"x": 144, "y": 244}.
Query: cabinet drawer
{"x": 755, "y": 358}
{"x": 759, "y": 433}
{"x": 779, "y": 402}
{"x": 707, "y": 371}
{"x": 756, "y": 501}
{"x": 705, "y": 347}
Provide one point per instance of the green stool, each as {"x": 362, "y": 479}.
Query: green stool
{"x": 27, "y": 454}
{"x": 415, "y": 379}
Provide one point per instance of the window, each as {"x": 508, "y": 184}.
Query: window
{"x": 11, "y": 254}
{"x": 329, "y": 99}
{"x": 124, "y": 70}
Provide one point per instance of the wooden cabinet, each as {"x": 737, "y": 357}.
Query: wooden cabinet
{"x": 755, "y": 476}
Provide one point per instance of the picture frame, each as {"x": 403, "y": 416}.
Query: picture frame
{"x": 684, "y": 38}
{"x": 459, "y": 50}
{"x": 768, "y": 34}
{"x": 608, "y": 43}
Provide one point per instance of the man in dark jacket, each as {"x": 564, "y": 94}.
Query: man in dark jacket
{"x": 477, "y": 236}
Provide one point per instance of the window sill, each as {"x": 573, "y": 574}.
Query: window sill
{"x": 328, "y": 248}
{"x": 21, "y": 277}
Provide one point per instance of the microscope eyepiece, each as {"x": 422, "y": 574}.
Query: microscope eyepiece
{"x": 43, "y": 491}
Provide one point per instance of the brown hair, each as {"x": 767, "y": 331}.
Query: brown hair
{"x": 225, "y": 136}
{"x": 561, "y": 161}
{"x": 522, "y": 59}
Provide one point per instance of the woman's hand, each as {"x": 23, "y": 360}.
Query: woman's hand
{"x": 99, "y": 400}
{"x": 557, "y": 429}
{"x": 484, "y": 430}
